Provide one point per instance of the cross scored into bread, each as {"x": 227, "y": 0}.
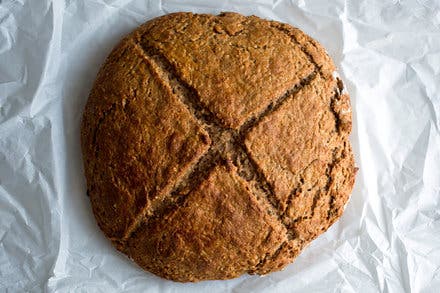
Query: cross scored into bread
{"x": 216, "y": 145}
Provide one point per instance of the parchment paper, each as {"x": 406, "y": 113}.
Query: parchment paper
{"x": 388, "y": 54}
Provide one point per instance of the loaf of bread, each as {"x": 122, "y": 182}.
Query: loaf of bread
{"x": 216, "y": 146}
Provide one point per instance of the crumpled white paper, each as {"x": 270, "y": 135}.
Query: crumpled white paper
{"x": 388, "y": 54}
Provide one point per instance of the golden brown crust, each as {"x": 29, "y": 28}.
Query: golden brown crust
{"x": 216, "y": 145}
{"x": 141, "y": 143}
{"x": 205, "y": 51}
{"x": 219, "y": 232}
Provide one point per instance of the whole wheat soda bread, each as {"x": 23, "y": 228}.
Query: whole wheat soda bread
{"x": 216, "y": 145}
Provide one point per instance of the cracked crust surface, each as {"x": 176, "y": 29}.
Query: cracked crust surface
{"x": 216, "y": 145}
{"x": 205, "y": 52}
{"x": 143, "y": 139}
{"x": 202, "y": 238}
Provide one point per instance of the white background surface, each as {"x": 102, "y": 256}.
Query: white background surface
{"x": 388, "y": 54}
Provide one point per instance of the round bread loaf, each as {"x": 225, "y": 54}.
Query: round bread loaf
{"x": 216, "y": 145}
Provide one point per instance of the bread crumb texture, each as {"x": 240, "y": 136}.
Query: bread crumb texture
{"x": 216, "y": 146}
